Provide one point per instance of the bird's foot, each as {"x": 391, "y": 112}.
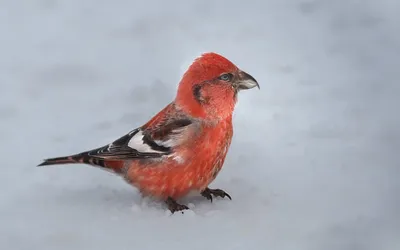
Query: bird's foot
{"x": 173, "y": 206}
{"x": 209, "y": 193}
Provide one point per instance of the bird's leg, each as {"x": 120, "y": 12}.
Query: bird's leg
{"x": 173, "y": 206}
{"x": 209, "y": 193}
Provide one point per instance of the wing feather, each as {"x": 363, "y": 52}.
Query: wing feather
{"x": 143, "y": 143}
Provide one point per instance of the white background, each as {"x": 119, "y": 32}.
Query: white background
{"x": 314, "y": 162}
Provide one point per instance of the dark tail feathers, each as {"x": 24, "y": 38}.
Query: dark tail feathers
{"x": 60, "y": 160}
{"x": 82, "y": 158}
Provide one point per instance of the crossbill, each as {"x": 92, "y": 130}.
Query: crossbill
{"x": 183, "y": 147}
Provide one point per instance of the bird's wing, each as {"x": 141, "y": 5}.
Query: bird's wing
{"x": 147, "y": 142}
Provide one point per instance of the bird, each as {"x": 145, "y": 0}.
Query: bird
{"x": 183, "y": 147}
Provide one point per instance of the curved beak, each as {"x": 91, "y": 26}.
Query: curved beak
{"x": 246, "y": 81}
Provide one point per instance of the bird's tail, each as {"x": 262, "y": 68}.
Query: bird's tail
{"x": 85, "y": 158}
{"x": 72, "y": 159}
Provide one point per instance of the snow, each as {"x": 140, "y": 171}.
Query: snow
{"x": 314, "y": 162}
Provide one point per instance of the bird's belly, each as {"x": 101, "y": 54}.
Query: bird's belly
{"x": 175, "y": 178}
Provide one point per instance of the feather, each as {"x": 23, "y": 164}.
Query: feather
{"x": 142, "y": 143}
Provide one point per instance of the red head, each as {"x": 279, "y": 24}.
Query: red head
{"x": 209, "y": 87}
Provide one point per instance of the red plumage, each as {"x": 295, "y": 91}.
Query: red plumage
{"x": 184, "y": 146}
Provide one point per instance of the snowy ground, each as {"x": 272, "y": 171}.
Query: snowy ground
{"x": 315, "y": 159}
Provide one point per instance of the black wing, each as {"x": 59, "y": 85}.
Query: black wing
{"x": 141, "y": 143}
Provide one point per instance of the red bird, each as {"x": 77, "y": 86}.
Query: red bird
{"x": 183, "y": 147}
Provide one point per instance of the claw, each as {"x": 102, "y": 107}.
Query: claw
{"x": 206, "y": 193}
{"x": 216, "y": 192}
{"x": 220, "y": 193}
{"x": 173, "y": 206}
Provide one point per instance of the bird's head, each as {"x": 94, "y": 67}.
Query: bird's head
{"x": 209, "y": 87}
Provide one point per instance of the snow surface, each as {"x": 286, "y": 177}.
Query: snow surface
{"x": 315, "y": 158}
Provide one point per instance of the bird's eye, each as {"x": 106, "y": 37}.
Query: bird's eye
{"x": 226, "y": 77}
